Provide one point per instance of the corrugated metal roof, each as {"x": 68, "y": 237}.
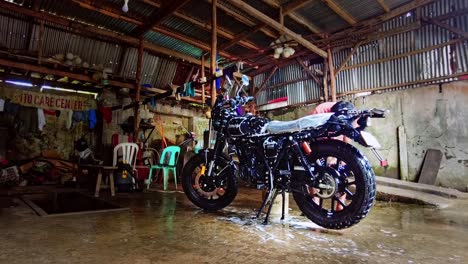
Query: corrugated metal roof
{"x": 322, "y": 16}
{"x": 13, "y": 32}
{"x": 62, "y": 8}
{"x": 264, "y": 8}
{"x": 156, "y": 71}
{"x": 362, "y": 9}
{"x": 396, "y": 3}
{"x": 173, "y": 44}
{"x": 187, "y": 28}
{"x": 135, "y": 8}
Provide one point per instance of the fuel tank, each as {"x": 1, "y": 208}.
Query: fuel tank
{"x": 248, "y": 125}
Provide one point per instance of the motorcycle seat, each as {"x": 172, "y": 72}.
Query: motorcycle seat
{"x": 310, "y": 121}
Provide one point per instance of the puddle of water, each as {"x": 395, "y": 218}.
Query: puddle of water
{"x": 66, "y": 203}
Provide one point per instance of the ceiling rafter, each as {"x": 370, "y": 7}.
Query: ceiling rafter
{"x": 109, "y": 11}
{"x": 164, "y": 12}
{"x": 223, "y": 32}
{"x": 286, "y": 10}
{"x": 277, "y": 26}
{"x": 384, "y": 5}
{"x": 293, "y": 6}
{"x": 340, "y": 12}
{"x": 93, "y": 31}
{"x": 245, "y": 20}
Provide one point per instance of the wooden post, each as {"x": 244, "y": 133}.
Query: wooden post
{"x": 203, "y": 75}
{"x": 214, "y": 42}
{"x": 41, "y": 42}
{"x": 281, "y": 16}
{"x": 138, "y": 88}
{"x": 332, "y": 76}
{"x": 325, "y": 79}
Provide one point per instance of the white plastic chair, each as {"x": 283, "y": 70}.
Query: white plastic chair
{"x": 128, "y": 151}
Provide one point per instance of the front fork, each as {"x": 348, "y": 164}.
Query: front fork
{"x": 218, "y": 148}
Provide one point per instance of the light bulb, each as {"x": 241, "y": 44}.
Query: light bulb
{"x": 125, "y": 6}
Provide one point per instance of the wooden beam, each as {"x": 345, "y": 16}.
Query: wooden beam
{"x": 414, "y": 52}
{"x": 346, "y": 60}
{"x": 384, "y": 5}
{"x": 71, "y": 75}
{"x": 249, "y": 32}
{"x": 287, "y": 10}
{"x": 165, "y": 11}
{"x": 305, "y": 23}
{"x": 286, "y": 83}
{"x": 401, "y": 10}
{"x": 438, "y": 23}
{"x": 293, "y": 5}
{"x": 163, "y": 30}
{"x": 222, "y": 32}
{"x": 297, "y": 18}
{"x": 41, "y": 43}
{"x": 325, "y": 80}
{"x": 426, "y": 81}
{"x": 245, "y": 20}
{"x": 340, "y": 12}
{"x": 203, "y": 75}
{"x": 136, "y": 123}
{"x": 331, "y": 68}
{"x": 301, "y": 62}
{"x": 262, "y": 86}
{"x": 193, "y": 42}
{"x": 214, "y": 43}
{"x": 282, "y": 29}
{"x": 91, "y": 31}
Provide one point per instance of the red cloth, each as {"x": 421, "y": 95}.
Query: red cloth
{"x": 49, "y": 112}
{"x": 323, "y": 108}
{"x": 106, "y": 114}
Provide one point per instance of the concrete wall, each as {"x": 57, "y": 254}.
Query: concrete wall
{"x": 434, "y": 117}
{"x": 164, "y": 116}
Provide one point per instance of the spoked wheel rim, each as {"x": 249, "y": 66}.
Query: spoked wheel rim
{"x": 343, "y": 189}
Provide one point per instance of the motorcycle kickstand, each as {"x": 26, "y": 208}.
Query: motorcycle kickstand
{"x": 272, "y": 198}
{"x": 283, "y": 194}
{"x": 264, "y": 203}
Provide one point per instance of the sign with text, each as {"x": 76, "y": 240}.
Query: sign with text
{"x": 48, "y": 101}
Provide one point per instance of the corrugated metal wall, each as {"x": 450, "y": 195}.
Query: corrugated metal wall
{"x": 298, "y": 92}
{"x": 387, "y": 71}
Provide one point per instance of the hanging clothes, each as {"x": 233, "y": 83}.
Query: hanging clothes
{"x": 77, "y": 116}
{"x": 2, "y": 105}
{"x": 27, "y": 120}
{"x": 92, "y": 118}
{"x": 41, "y": 120}
{"x": 68, "y": 118}
{"x": 12, "y": 108}
{"x": 190, "y": 90}
{"x": 106, "y": 114}
{"x": 49, "y": 112}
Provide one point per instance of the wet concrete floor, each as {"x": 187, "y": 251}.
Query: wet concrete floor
{"x": 166, "y": 228}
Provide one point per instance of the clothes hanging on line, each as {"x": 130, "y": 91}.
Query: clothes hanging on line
{"x": 41, "y": 120}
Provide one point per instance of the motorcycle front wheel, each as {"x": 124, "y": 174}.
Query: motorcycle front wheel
{"x": 351, "y": 186}
{"x": 209, "y": 192}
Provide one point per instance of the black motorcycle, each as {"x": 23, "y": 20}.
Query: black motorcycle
{"x": 331, "y": 181}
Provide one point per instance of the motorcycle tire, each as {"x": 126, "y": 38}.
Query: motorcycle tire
{"x": 209, "y": 198}
{"x": 360, "y": 202}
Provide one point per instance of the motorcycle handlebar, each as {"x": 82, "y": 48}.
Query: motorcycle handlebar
{"x": 373, "y": 113}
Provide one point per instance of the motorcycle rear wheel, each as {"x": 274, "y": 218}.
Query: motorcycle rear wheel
{"x": 206, "y": 194}
{"x": 355, "y": 187}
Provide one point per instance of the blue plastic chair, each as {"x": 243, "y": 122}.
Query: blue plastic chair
{"x": 167, "y": 163}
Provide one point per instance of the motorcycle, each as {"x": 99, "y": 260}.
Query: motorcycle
{"x": 331, "y": 181}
